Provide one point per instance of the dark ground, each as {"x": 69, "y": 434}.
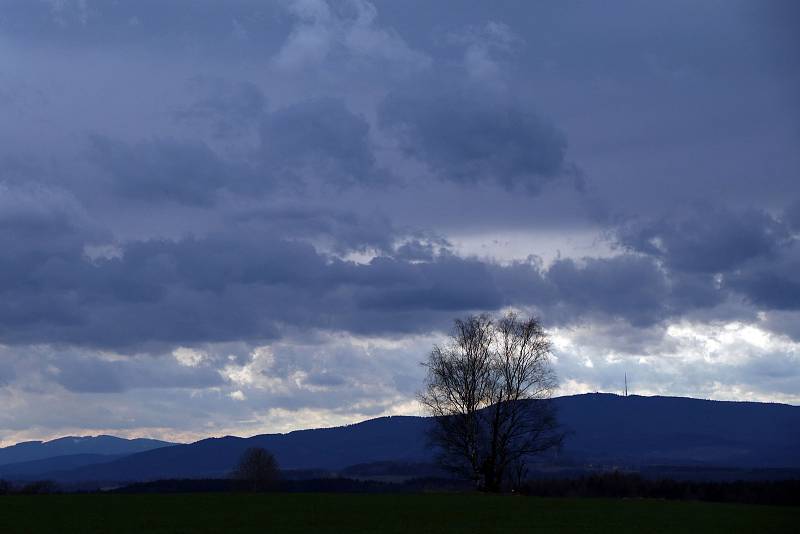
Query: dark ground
{"x": 387, "y": 513}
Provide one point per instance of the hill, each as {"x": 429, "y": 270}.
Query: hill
{"x": 34, "y": 468}
{"x": 100, "y": 445}
{"x": 386, "y": 438}
{"x": 677, "y": 430}
{"x": 610, "y": 430}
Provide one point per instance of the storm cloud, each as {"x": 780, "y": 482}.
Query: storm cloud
{"x": 253, "y": 216}
{"x": 472, "y": 138}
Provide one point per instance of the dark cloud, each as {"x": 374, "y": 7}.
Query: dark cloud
{"x": 628, "y": 286}
{"x": 319, "y": 144}
{"x": 222, "y": 287}
{"x": 205, "y": 24}
{"x": 695, "y": 291}
{"x": 319, "y": 140}
{"x": 253, "y": 281}
{"x": 447, "y": 284}
{"x": 792, "y": 216}
{"x": 771, "y": 283}
{"x": 416, "y": 250}
{"x": 93, "y": 375}
{"x": 707, "y": 239}
{"x": 344, "y": 231}
{"x": 308, "y": 192}
{"x": 229, "y": 109}
{"x": 747, "y": 252}
{"x": 43, "y": 233}
{"x": 185, "y": 172}
{"x": 7, "y": 373}
{"x": 468, "y": 138}
{"x": 233, "y": 286}
{"x": 784, "y": 322}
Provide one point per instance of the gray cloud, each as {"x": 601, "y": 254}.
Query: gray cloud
{"x": 232, "y": 286}
{"x": 626, "y": 286}
{"x": 416, "y": 250}
{"x": 772, "y": 284}
{"x": 338, "y": 180}
{"x": 708, "y": 239}
{"x": 160, "y": 170}
{"x": 792, "y": 216}
{"x": 344, "y": 231}
{"x": 319, "y": 140}
{"x": 204, "y": 24}
{"x": 229, "y": 109}
{"x": 469, "y": 138}
{"x": 318, "y": 144}
{"x": 751, "y": 252}
{"x": 92, "y": 375}
{"x": 786, "y": 322}
{"x": 7, "y": 373}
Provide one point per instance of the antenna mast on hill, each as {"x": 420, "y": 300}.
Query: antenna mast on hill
{"x": 626, "y": 384}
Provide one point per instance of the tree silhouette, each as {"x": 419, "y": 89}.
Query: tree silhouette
{"x": 488, "y": 389}
{"x": 257, "y": 470}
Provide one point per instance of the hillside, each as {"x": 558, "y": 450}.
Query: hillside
{"x": 107, "y": 445}
{"x": 602, "y": 429}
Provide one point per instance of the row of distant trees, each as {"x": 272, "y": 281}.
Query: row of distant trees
{"x": 35, "y": 487}
{"x": 634, "y": 486}
{"x": 256, "y": 470}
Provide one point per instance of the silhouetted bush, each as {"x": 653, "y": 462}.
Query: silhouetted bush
{"x": 257, "y": 470}
{"x": 5, "y": 487}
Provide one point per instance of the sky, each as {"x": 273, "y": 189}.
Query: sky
{"x": 255, "y": 216}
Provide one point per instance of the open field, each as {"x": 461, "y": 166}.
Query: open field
{"x": 435, "y": 513}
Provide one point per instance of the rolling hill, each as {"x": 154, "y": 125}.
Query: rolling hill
{"x": 103, "y": 445}
{"x": 603, "y": 429}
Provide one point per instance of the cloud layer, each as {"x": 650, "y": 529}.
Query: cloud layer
{"x": 253, "y": 216}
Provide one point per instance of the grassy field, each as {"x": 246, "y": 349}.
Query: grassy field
{"x": 435, "y": 513}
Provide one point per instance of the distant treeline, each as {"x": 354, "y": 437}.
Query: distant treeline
{"x": 217, "y": 485}
{"x": 29, "y": 488}
{"x": 633, "y": 486}
{"x": 607, "y": 485}
{"x": 315, "y": 485}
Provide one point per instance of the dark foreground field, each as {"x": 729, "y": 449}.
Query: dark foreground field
{"x": 436, "y": 513}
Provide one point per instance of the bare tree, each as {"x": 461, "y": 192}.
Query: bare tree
{"x": 488, "y": 390}
{"x": 257, "y": 470}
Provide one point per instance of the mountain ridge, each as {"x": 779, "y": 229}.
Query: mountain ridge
{"x": 602, "y": 429}
{"x": 102, "y": 444}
